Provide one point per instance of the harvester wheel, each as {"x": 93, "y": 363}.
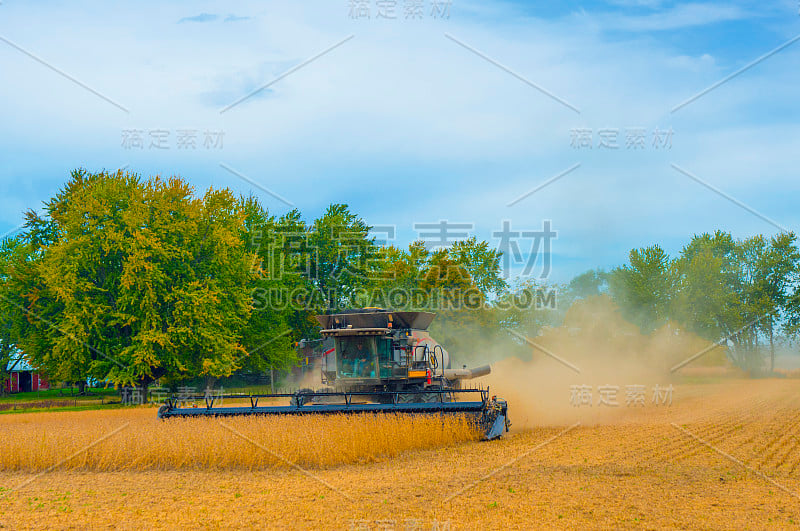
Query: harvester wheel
{"x": 298, "y": 399}
{"x": 409, "y": 398}
{"x": 435, "y": 397}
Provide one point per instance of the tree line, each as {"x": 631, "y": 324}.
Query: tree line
{"x": 743, "y": 292}
{"x": 127, "y": 280}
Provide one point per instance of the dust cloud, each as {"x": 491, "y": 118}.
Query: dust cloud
{"x": 594, "y": 348}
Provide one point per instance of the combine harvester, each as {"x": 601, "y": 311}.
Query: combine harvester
{"x": 381, "y": 362}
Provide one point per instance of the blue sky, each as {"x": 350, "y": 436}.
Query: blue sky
{"x": 416, "y": 121}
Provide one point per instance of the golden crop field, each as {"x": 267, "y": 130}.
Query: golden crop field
{"x": 724, "y": 455}
{"x": 134, "y": 439}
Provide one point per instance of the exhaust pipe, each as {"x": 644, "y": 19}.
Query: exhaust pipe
{"x": 467, "y": 374}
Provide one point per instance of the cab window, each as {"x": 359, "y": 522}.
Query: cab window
{"x": 356, "y": 357}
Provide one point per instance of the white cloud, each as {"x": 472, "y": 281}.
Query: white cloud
{"x": 202, "y": 17}
{"x": 403, "y": 123}
{"x": 676, "y": 17}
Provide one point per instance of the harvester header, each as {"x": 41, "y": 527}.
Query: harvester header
{"x": 380, "y": 361}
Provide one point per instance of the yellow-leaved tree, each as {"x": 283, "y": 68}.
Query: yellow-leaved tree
{"x": 129, "y": 280}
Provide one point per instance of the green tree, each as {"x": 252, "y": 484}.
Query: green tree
{"x": 9, "y": 354}
{"x": 481, "y": 262}
{"x": 768, "y": 272}
{"x": 588, "y": 284}
{"x": 141, "y": 280}
{"x": 340, "y": 254}
{"x": 269, "y": 334}
{"x": 644, "y": 288}
{"x": 23, "y": 287}
{"x": 710, "y": 286}
{"x": 400, "y": 268}
{"x": 718, "y": 287}
{"x": 524, "y": 309}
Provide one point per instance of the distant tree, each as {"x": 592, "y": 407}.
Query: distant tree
{"x": 588, "y": 284}
{"x": 644, "y": 288}
{"x": 524, "y": 308}
{"x": 769, "y": 271}
{"x": 710, "y": 287}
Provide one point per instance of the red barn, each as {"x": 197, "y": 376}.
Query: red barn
{"x": 24, "y": 378}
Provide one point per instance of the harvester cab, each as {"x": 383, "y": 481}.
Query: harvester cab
{"x": 381, "y": 362}
{"x": 381, "y": 350}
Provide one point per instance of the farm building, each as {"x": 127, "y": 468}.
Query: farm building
{"x": 23, "y": 377}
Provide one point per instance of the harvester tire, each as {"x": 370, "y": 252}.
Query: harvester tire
{"x": 299, "y": 399}
{"x": 434, "y": 397}
{"x": 427, "y": 398}
{"x": 408, "y": 398}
